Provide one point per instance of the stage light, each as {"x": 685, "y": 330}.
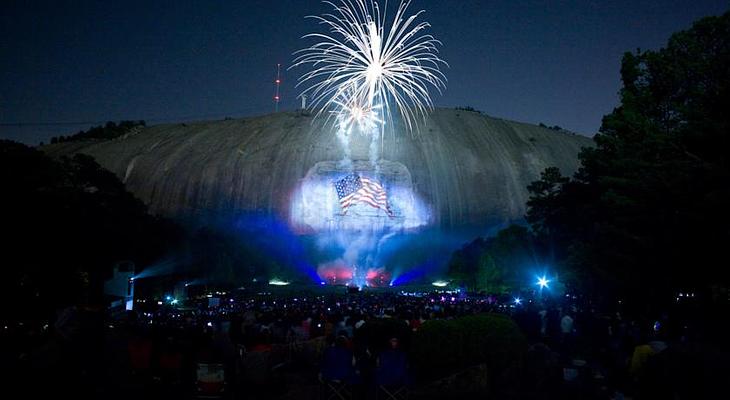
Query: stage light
{"x": 322, "y": 283}
{"x": 440, "y": 283}
{"x": 168, "y": 298}
{"x": 518, "y": 301}
{"x": 543, "y": 282}
{"x": 278, "y": 282}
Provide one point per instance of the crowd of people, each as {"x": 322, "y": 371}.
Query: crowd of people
{"x": 299, "y": 345}
{"x": 259, "y": 339}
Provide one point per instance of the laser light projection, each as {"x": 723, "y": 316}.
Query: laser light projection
{"x": 367, "y": 70}
{"x": 370, "y": 182}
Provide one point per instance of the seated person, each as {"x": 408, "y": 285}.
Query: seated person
{"x": 338, "y": 361}
{"x": 392, "y": 366}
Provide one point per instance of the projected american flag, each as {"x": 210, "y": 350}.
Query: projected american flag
{"x": 354, "y": 189}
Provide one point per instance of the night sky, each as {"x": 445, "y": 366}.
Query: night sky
{"x": 67, "y": 65}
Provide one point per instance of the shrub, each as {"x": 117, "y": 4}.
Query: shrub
{"x": 468, "y": 108}
{"x": 441, "y": 347}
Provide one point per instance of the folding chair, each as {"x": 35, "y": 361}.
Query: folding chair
{"x": 391, "y": 392}
{"x": 336, "y": 374}
{"x": 210, "y": 382}
{"x": 334, "y": 389}
{"x": 391, "y": 376}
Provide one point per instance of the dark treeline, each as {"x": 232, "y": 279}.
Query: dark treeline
{"x": 498, "y": 264}
{"x": 109, "y": 131}
{"x": 647, "y": 213}
{"x": 65, "y": 223}
{"x": 68, "y": 221}
{"x": 554, "y": 127}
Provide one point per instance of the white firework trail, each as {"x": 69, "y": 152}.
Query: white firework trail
{"x": 366, "y": 63}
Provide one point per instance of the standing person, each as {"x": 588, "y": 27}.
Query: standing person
{"x": 566, "y": 332}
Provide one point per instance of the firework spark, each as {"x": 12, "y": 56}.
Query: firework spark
{"x": 363, "y": 64}
{"x": 351, "y": 112}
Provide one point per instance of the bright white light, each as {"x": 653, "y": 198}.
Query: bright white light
{"x": 315, "y": 206}
{"x": 543, "y": 282}
{"x": 518, "y": 301}
{"x": 374, "y": 60}
{"x": 278, "y": 282}
{"x": 440, "y": 283}
{"x": 352, "y": 112}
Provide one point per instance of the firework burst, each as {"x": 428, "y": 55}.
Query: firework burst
{"x": 351, "y": 112}
{"x": 367, "y": 63}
